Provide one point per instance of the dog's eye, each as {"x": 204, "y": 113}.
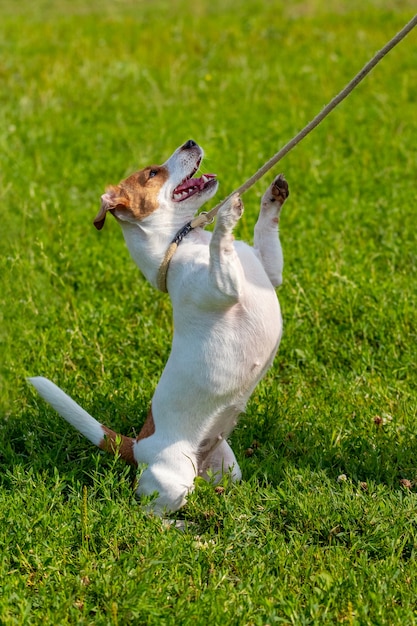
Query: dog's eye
{"x": 152, "y": 173}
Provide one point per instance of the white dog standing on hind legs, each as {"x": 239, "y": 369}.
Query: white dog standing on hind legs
{"x": 227, "y": 324}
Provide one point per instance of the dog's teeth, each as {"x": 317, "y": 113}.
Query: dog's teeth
{"x": 180, "y": 195}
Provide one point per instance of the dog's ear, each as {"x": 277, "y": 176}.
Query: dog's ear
{"x": 109, "y": 201}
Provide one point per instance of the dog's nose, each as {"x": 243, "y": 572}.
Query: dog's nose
{"x": 189, "y": 144}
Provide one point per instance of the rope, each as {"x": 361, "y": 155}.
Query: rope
{"x": 205, "y": 218}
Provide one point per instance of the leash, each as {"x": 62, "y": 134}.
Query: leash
{"x": 206, "y": 217}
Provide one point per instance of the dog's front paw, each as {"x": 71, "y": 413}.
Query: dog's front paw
{"x": 273, "y": 199}
{"x": 231, "y": 212}
{"x": 278, "y": 191}
{"x": 236, "y": 206}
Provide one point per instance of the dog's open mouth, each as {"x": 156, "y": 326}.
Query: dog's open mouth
{"x": 190, "y": 186}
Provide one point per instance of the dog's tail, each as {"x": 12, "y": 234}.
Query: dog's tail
{"x": 95, "y": 432}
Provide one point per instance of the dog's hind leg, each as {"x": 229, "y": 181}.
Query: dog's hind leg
{"x": 221, "y": 461}
{"x": 266, "y": 240}
{"x": 171, "y": 467}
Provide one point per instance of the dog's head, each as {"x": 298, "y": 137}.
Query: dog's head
{"x": 170, "y": 186}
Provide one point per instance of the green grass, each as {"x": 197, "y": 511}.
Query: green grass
{"x": 89, "y": 92}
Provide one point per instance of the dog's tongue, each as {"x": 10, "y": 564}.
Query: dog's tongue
{"x": 195, "y": 182}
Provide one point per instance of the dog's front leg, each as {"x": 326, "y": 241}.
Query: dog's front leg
{"x": 225, "y": 270}
{"x": 266, "y": 240}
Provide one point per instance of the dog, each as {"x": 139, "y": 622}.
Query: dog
{"x": 227, "y": 324}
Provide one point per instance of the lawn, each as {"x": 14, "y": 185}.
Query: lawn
{"x": 323, "y": 528}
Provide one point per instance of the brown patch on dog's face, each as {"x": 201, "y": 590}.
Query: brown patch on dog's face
{"x": 135, "y": 197}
